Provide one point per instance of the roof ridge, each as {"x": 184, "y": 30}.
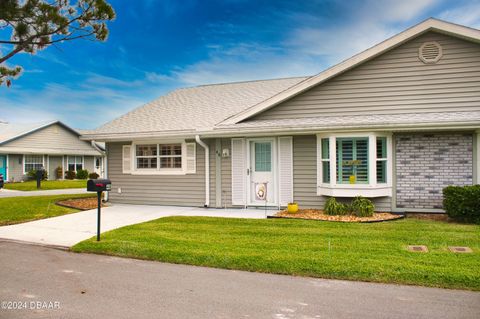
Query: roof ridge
{"x": 250, "y": 81}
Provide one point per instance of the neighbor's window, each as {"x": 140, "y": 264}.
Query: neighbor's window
{"x": 147, "y": 156}
{"x": 33, "y": 162}
{"x": 352, "y": 160}
{"x": 171, "y": 156}
{"x": 325, "y": 160}
{"x": 381, "y": 160}
{"x": 159, "y": 156}
{"x": 75, "y": 163}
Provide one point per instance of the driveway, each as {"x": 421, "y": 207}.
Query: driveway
{"x": 67, "y": 230}
{"x": 15, "y": 193}
{"x": 95, "y": 286}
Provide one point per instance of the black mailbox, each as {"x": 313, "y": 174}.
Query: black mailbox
{"x": 99, "y": 185}
{"x": 1, "y": 180}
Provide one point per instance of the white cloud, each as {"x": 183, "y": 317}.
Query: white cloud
{"x": 466, "y": 14}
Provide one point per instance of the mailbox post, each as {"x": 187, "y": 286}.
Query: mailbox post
{"x": 99, "y": 186}
{"x": 39, "y": 176}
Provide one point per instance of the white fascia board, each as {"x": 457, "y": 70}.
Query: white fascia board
{"x": 423, "y": 27}
{"x": 304, "y": 130}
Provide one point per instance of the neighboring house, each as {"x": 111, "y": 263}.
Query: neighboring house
{"x": 26, "y": 147}
{"x": 395, "y": 123}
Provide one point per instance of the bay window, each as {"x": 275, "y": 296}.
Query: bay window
{"x": 354, "y": 164}
{"x": 32, "y": 162}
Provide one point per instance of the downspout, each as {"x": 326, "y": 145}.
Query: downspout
{"x": 207, "y": 169}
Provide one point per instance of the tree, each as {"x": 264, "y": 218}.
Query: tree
{"x": 37, "y": 24}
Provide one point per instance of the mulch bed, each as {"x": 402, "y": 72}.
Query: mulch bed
{"x": 80, "y": 203}
{"x": 317, "y": 214}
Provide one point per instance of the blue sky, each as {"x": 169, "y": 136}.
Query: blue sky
{"x": 156, "y": 46}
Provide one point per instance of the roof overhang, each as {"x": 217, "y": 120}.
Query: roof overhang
{"x": 413, "y": 32}
{"x": 232, "y": 131}
{"x": 47, "y": 151}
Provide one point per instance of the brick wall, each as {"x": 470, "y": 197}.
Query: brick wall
{"x": 426, "y": 163}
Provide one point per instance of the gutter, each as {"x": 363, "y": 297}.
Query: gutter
{"x": 95, "y": 146}
{"x": 207, "y": 169}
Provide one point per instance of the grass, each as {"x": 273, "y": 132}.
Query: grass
{"x": 15, "y": 210}
{"x": 45, "y": 185}
{"x": 368, "y": 252}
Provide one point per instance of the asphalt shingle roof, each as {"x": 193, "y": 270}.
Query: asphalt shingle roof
{"x": 196, "y": 108}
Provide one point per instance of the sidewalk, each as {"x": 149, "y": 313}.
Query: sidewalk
{"x": 67, "y": 230}
{"x": 14, "y": 193}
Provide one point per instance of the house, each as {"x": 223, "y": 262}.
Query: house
{"x": 26, "y": 147}
{"x": 395, "y": 123}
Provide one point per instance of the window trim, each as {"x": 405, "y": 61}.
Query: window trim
{"x": 24, "y": 162}
{"x": 75, "y": 156}
{"x": 370, "y": 189}
{"x": 158, "y": 170}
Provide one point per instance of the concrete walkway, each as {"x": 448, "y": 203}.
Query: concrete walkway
{"x": 66, "y": 191}
{"x": 95, "y": 286}
{"x": 67, "y": 230}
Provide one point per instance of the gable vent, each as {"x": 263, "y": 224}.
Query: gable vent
{"x": 430, "y": 52}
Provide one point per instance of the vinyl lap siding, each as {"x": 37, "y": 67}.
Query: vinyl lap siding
{"x": 395, "y": 82}
{"x": 54, "y": 136}
{"x": 178, "y": 190}
{"x": 15, "y": 167}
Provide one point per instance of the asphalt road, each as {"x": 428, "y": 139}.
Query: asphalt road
{"x": 91, "y": 286}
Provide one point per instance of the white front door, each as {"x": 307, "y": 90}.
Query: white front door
{"x": 261, "y": 168}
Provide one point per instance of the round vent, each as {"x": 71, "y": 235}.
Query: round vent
{"x": 430, "y": 52}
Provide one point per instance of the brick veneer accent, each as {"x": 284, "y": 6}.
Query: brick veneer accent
{"x": 426, "y": 163}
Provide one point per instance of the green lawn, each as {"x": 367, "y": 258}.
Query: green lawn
{"x": 15, "y": 210}
{"x": 32, "y": 185}
{"x": 368, "y": 252}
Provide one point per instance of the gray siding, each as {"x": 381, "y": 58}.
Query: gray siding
{"x": 88, "y": 164}
{"x": 227, "y": 174}
{"x": 15, "y": 167}
{"x": 52, "y": 137}
{"x": 426, "y": 163}
{"x": 55, "y": 161}
{"x": 305, "y": 176}
{"x": 179, "y": 190}
{"x": 395, "y": 82}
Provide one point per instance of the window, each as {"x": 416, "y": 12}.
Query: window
{"x": 263, "y": 157}
{"x": 325, "y": 160}
{"x": 33, "y": 162}
{"x": 75, "y": 163}
{"x": 159, "y": 156}
{"x": 354, "y": 164}
{"x": 147, "y": 156}
{"x": 171, "y": 156}
{"x": 352, "y": 160}
{"x": 381, "y": 160}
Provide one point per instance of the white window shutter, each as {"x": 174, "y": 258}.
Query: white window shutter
{"x": 190, "y": 156}
{"x": 127, "y": 159}
{"x": 239, "y": 171}
{"x": 285, "y": 170}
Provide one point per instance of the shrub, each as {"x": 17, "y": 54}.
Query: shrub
{"x": 58, "y": 172}
{"x": 32, "y": 175}
{"x": 70, "y": 174}
{"x": 93, "y": 175}
{"x": 462, "y": 203}
{"x": 332, "y": 207}
{"x": 362, "y": 207}
{"x": 82, "y": 174}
